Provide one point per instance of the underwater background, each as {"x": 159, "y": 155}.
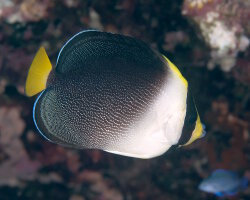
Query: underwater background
{"x": 207, "y": 39}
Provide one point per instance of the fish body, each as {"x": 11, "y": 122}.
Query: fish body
{"x": 223, "y": 183}
{"x": 114, "y": 93}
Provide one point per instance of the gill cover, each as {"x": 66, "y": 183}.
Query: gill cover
{"x": 38, "y": 73}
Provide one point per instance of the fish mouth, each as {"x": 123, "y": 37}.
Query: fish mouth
{"x": 204, "y": 187}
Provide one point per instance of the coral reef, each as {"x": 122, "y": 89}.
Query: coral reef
{"x": 23, "y": 11}
{"x": 224, "y": 27}
{"x": 33, "y": 168}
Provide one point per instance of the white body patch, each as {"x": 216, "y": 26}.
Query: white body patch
{"x": 162, "y": 125}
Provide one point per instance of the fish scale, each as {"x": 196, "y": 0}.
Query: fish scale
{"x": 95, "y": 46}
{"x": 126, "y": 108}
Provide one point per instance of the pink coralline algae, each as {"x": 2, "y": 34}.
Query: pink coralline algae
{"x": 99, "y": 185}
{"x": 14, "y": 63}
{"x": 234, "y": 156}
{"x": 17, "y": 165}
{"x": 23, "y": 11}
{"x": 224, "y": 27}
{"x": 241, "y": 73}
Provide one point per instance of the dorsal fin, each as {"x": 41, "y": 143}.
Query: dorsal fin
{"x": 38, "y": 73}
{"x": 89, "y": 48}
{"x": 71, "y": 41}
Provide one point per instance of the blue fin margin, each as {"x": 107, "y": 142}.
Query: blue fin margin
{"x": 72, "y": 39}
{"x": 34, "y": 109}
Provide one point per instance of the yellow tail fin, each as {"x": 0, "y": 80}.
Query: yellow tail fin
{"x": 38, "y": 73}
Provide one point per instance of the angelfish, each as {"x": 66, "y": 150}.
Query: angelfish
{"x": 114, "y": 93}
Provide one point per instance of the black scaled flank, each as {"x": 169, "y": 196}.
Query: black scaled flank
{"x": 102, "y": 85}
{"x": 89, "y": 47}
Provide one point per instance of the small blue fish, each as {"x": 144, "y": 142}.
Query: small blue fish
{"x": 223, "y": 183}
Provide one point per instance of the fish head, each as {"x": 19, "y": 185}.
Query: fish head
{"x": 193, "y": 129}
{"x": 207, "y": 186}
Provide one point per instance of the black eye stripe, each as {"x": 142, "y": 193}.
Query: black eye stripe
{"x": 190, "y": 120}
